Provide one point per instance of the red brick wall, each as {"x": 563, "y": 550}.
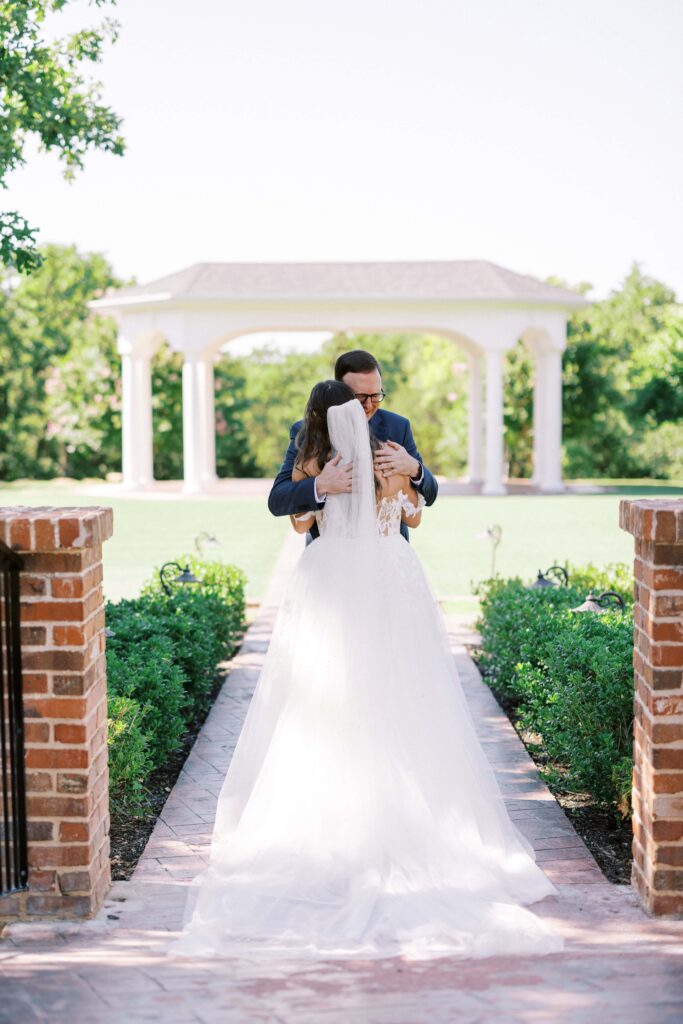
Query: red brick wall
{"x": 65, "y": 709}
{"x": 657, "y": 527}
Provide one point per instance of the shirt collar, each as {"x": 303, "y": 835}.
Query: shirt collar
{"x": 377, "y": 425}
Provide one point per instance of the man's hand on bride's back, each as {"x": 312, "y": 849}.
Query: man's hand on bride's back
{"x": 334, "y": 477}
{"x": 393, "y": 458}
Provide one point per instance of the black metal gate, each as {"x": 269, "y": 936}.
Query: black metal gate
{"x": 13, "y": 844}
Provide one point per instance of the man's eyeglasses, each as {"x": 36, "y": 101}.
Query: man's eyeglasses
{"x": 378, "y": 397}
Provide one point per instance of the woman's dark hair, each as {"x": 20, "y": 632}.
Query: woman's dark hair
{"x": 357, "y": 361}
{"x": 313, "y": 438}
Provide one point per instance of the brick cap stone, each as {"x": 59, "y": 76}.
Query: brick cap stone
{"x": 659, "y": 520}
{"x": 30, "y": 528}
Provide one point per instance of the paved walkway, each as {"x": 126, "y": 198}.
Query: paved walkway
{"x": 619, "y": 964}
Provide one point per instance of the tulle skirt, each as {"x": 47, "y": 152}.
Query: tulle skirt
{"x": 359, "y": 817}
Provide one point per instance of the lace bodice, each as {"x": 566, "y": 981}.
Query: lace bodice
{"x": 389, "y": 510}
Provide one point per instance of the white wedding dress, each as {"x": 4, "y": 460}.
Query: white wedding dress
{"x": 359, "y": 817}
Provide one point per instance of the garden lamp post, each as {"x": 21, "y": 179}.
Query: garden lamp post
{"x": 495, "y": 535}
{"x": 544, "y": 580}
{"x": 595, "y": 604}
{"x": 206, "y": 539}
{"x": 184, "y": 576}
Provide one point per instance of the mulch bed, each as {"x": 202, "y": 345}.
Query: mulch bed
{"x": 608, "y": 840}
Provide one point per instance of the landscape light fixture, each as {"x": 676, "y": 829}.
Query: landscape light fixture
{"x": 206, "y": 540}
{"x": 595, "y": 604}
{"x": 184, "y": 576}
{"x": 545, "y": 580}
{"x": 495, "y": 535}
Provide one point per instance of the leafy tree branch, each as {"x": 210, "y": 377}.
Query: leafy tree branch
{"x": 45, "y": 94}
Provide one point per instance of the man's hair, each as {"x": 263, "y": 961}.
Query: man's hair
{"x": 357, "y": 361}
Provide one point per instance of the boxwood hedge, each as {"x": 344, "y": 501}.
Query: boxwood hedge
{"x": 569, "y": 675}
{"x": 161, "y": 668}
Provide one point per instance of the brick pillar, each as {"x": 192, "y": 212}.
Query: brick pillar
{"x": 657, "y": 527}
{"x": 65, "y": 709}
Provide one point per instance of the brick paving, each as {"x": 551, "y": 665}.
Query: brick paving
{"x": 619, "y": 965}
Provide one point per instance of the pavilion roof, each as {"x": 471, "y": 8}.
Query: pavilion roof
{"x": 473, "y": 280}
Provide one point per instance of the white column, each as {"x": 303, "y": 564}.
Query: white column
{"x": 194, "y": 426}
{"x": 209, "y": 440}
{"x": 539, "y": 418}
{"x": 136, "y": 419}
{"x": 493, "y": 482}
{"x": 475, "y": 473}
{"x": 128, "y": 450}
{"x": 551, "y": 452}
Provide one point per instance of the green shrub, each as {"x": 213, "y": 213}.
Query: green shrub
{"x": 226, "y": 582}
{"x": 205, "y": 620}
{"x": 196, "y": 624}
{"x": 579, "y": 697}
{"x": 161, "y": 667}
{"x": 512, "y": 617}
{"x": 129, "y": 760}
{"x": 141, "y": 664}
{"x": 569, "y": 675}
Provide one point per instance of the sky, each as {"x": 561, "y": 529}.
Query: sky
{"x": 543, "y": 135}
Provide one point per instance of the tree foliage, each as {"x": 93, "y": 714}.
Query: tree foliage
{"x": 46, "y": 96}
{"x": 623, "y": 377}
{"x": 60, "y": 383}
{"x": 518, "y": 410}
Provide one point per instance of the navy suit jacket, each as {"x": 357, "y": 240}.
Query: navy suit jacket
{"x": 289, "y": 498}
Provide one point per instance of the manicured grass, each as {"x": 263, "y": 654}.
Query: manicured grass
{"x": 150, "y": 531}
{"x": 538, "y": 531}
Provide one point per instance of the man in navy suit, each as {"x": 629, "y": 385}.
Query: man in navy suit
{"x": 361, "y": 371}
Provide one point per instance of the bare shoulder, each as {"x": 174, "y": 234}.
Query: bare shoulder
{"x": 308, "y": 469}
{"x": 410, "y": 491}
{"x": 391, "y": 485}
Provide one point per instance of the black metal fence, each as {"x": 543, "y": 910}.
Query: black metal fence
{"x": 13, "y": 843}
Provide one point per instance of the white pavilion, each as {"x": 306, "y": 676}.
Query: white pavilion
{"x": 483, "y": 307}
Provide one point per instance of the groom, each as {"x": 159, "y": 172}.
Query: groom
{"x": 361, "y": 372}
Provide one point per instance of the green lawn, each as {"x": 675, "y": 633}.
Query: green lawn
{"x": 537, "y": 532}
{"x": 148, "y": 532}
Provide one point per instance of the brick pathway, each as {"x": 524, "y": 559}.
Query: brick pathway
{"x": 619, "y": 964}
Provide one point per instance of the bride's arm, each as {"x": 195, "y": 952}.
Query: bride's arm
{"x": 409, "y": 517}
{"x": 304, "y": 520}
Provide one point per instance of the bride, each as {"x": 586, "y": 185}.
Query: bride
{"x": 359, "y": 817}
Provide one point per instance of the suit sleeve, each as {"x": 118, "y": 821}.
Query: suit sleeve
{"x": 286, "y": 497}
{"x": 428, "y": 487}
